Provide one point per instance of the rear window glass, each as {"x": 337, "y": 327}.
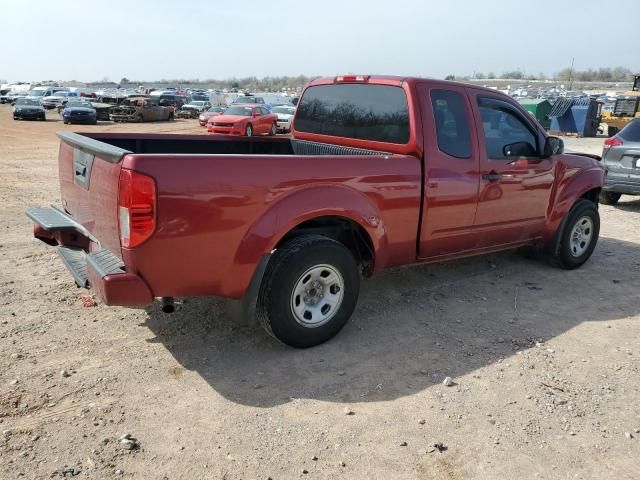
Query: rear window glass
{"x": 364, "y": 112}
{"x": 631, "y": 132}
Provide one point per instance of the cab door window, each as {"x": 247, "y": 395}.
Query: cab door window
{"x": 506, "y": 133}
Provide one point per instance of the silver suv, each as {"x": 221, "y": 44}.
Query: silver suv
{"x": 621, "y": 157}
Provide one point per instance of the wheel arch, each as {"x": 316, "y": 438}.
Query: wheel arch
{"x": 332, "y": 210}
{"x": 585, "y": 185}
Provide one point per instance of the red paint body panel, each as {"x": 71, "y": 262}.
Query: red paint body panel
{"x": 215, "y": 221}
{"x": 219, "y": 214}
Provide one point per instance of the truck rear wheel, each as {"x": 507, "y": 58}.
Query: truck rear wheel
{"x": 249, "y": 131}
{"x": 309, "y": 291}
{"x": 609, "y": 198}
{"x": 578, "y": 236}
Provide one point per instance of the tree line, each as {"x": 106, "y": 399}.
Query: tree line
{"x": 266, "y": 84}
{"x": 605, "y": 74}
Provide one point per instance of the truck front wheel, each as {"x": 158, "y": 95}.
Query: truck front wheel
{"x": 309, "y": 291}
{"x": 578, "y": 236}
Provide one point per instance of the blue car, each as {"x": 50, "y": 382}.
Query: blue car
{"x": 79, "y": 111}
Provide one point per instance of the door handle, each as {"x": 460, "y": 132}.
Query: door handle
{"x": 492, "y": 176}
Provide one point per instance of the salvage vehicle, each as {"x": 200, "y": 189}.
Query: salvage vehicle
{"x": 5, "y": 97}
{"x": 621, "y": 158}
{"x": 285, "y": 117}
{"x": 28, "y": 109}
{"x": 248, "y": 99}
{"x": 57, "y": 99}
{"x": 380, "y": 172}
{"x": 79, "y": 111}
{"x": 204, "y": 117}
{"x": 140, "y": 109}
{"x": 13, "y": 97}
{"x": 193, "y": 109}
{"x": 247, "y": 120}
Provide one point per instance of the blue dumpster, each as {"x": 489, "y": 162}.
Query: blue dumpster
{"x": 576, "y": 115}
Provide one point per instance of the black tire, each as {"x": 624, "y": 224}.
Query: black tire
{"x": 274, "y": 129}
{"x": 609, "y": 198}
{"x": 566, "y": 256}
{"x": 171, "y": 117}
{"x": 287, "y": 268}
{"x": 249, "y": 130}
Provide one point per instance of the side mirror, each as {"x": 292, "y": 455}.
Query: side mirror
{"x": 519, "y": 149}
{"x": 553, "y": 146}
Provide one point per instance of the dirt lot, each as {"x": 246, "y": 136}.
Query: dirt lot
{"x": 546, "y": 365}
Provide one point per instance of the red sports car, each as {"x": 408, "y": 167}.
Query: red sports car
{"x": 246, "y": 120}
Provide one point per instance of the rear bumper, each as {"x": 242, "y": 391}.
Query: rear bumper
{"x": 621, "y": 184}
{"x": 96, "y": 268}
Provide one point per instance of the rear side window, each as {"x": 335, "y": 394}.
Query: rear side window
{"x": 452, "y": 124}
{"x": 364, "y": 112}
{"x": 631, "y": 132}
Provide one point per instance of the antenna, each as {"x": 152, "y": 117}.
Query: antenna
{"x": 571, "y": 74}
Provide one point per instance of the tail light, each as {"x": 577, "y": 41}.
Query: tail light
{"x": 136, "y": 208}
{"x": 613, "y": 142}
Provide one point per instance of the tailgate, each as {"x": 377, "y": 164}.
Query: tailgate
{"x": 89, "y": 171}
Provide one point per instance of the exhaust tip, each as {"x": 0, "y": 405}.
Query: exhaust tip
{"x": 168, "y": 305}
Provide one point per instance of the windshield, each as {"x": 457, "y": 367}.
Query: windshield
{"x": 243, "y": 111}
{"x": 246, "y": 100}
{"x": 198, "y": 103}
{"x": 37, "y": 93}
{"x": 76, "y": 103}
{"x": 287, "y": 110}
{"x": 27, "y": 101}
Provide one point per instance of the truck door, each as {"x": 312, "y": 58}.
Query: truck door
{"x": 451, "y": 163}
{"x": 515, "y": 181}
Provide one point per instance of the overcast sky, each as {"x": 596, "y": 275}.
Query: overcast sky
{"x": 152, "y": 39}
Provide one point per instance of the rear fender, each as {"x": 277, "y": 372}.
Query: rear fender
{"x": 306, "y": 204}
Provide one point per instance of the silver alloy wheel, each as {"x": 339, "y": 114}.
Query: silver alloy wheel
{"x": 581, "y": 236}
{"x": 317, "y": 296}
{"x": 249, "y": 130}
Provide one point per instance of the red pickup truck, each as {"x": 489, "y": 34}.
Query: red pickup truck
{"x": 380, "y": 172}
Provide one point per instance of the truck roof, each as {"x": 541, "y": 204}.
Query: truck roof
{"x": 397, "y": 80}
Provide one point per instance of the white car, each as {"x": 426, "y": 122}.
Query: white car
{"x": 56, "y": 99}
{"x": 285, "y": 115}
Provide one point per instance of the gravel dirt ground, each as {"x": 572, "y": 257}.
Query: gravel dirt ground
{"x": 545, "y": 365}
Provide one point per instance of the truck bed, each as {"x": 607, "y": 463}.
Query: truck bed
{"x": 220, "y": 144}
